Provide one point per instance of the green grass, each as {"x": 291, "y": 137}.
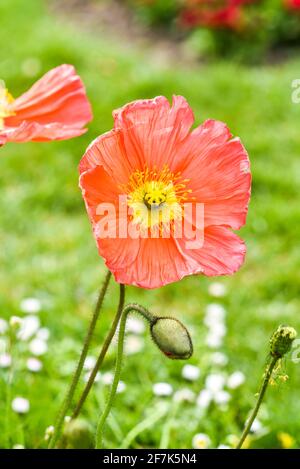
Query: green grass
{"x": 47, "y": 250}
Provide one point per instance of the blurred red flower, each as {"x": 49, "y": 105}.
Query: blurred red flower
{"x": 292, "y": 4}
{"x": 214, "y": 13}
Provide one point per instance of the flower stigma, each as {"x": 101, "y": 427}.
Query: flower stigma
{"x": 156, "y": 198}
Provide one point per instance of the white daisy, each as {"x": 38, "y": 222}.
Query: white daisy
{"x": 219, "y": 358}
{"x": 43, "y": 333}
{"x": 201, "y": 441}
{"x": 214, "y": 340}
{"x": 29, "y": 326}
{"x": 217, "y": 289}
{"x": 214, "y": 313}
{"x": 256, "y": 426}
{"x": 30, "y": 306}
{"x": 135, "y": 325}
{"x": 133, "y": 344}
{"x": 121, "y": 387}
{"x": 89, "y": 362}
{"x": 107, "y": 378}
{"x": 190, "y": 372}
{"x": 222, "y": 397}
{"x": 20, "y": 405}
{"x": 235, "y": 380}
{"x": 162, "y": 389}
{"x": 34, "y": 365}
{"x": 5, "y": 360}
{"x": 38, "y": 347}
{"x": 215, "y": 382}
{"x": 204, "y": 398}
{"x": 184, "y": 395}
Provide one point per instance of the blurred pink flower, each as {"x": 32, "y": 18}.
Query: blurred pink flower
{"x": 54, "y": 108}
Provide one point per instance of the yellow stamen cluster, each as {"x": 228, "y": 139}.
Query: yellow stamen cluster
{"x": 156, "y": 197}
{"x": 5, "y": 101}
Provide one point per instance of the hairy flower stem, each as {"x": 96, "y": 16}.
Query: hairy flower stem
{"x": 9, "y": 384}
{"x": 70, "y": 393}
{"x": 149, "y": 317}
{"x": 103, "y": 352}
{"x": 267, "y": 376}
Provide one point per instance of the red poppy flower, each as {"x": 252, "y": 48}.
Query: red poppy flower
{"x": 152, "y": 162}
{"x": 214, "y": 13}
{"x": 292, "y": 5}
{"x": 55, "y": 108}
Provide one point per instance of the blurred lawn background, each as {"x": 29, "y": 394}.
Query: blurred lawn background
{"x": 47, "y": 250}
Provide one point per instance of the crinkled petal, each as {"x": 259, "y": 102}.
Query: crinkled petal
{"x": 218, "y": 170}
{"x": 58, "y": 97}
{"x": 151, "y": 129}
{"x": 32, "y": 131}
{"x": 98, "y": 188}
{"x": 222, "y": 253}
{"x": 108, "y": 151}
{"x": 151, "y": 263}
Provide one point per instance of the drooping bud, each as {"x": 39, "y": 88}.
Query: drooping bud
{"x": 281, "y": 340}
{"x": 172, "y": 338}
{"x": 78, "y": 434}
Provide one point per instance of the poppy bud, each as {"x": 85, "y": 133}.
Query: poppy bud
{"x": 281, "y": 341}
{"x": 172, "y": 338}
{"x": 78, "y": 435}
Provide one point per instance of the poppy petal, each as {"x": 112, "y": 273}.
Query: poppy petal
{"x": 222, "y": 253}
{"x": 218, "y": 170}
{"x": 59, "y": 96}
{"x": 107, "y": 151}
{"x": 32, "y": 131}
{"x": 151, "y": 129}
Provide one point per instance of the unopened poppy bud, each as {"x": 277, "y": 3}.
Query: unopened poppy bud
{"x": 281, "y": 340}
{"x": 78, "y": 434}
{"x": 172, "y": 338}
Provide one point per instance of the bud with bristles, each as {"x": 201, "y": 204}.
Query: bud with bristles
{"x": 172, "y": 338}
{"x": 281, "y": 340}
{"x": 78, "y": 434}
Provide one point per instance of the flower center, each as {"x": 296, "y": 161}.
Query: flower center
{"x": 155, "y": 197}
{"x": 5, "y": 101}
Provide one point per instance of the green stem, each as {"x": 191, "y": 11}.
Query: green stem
{"x": 104, "y": 349}
{"x": 69, "y": 396}
{"x": 9, "y": 384}
{"x": 151, "y": 420}
{"x": 262, "y": 392}
{"x": 147, "y": 315}
{"x": 165, "y": 436}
